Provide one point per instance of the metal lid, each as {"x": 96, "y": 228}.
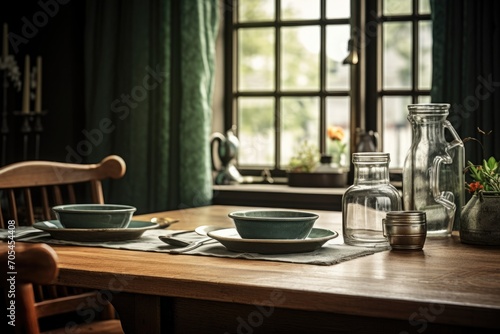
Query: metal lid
{"x": 406, "y": 216}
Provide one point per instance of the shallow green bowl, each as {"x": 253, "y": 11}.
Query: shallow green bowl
{"x": 94, "y": 215}
{"x": 273, "y": 224}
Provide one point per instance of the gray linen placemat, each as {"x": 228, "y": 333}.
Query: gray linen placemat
{"x": 329, "y": 254}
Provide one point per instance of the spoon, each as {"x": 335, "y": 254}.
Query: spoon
{"x": 188, "y": 245}
{"x": 164, "y": 222}
{"x": 183, "y": 244}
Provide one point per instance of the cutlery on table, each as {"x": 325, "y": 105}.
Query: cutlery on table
{"x": 182, "y": 243}
{"x": 164, "y": 222}
{"x": 184, "y": 246}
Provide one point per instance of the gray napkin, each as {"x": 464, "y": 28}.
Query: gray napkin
{"x": 331, "y": 253}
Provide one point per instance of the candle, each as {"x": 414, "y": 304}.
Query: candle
{"x": 26, "y": 85}
{"x": 5, "y": 41}
{"x": 38, "y": 97}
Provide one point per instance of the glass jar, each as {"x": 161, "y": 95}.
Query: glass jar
{"x": 433, "y": 179}
{"x": 367, "y": 201}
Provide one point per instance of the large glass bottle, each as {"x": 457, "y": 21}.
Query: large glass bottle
{"x": 367, "y": 201}
{"x": 433, "y": 179}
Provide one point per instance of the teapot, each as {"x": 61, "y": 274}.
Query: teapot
{"x": 367, "y": 141}
{"x": 224, "y": 150}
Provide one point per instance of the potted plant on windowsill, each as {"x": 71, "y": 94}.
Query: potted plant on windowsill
{"x": 305, "y": 170}
{"x": 480, "y": 218}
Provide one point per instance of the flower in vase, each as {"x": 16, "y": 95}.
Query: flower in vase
{"x": 337, "y": 147}
{"x": 485, "y": 177}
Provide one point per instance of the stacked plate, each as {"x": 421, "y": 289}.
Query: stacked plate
{"x": 273, "y": 232}
{"x": 94, "y": 222}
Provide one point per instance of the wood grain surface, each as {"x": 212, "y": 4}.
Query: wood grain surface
{"x": 448, "y": 283}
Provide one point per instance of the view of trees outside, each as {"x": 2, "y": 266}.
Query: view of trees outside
{"x": 397, "y": 74}
{"x": 299, "y": 57}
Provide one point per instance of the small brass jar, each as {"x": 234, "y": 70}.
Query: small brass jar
{"x": 405, "y": 229}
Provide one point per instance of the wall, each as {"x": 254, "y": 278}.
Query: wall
{"x": 54, "y": 30}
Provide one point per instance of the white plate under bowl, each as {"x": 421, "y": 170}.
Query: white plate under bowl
{"x": 57, "y": 231}
{"x": 234, "y": 242}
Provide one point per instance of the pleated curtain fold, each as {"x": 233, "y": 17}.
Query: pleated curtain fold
{"x": 149, "y": 76}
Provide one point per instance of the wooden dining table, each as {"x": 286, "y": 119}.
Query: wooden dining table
{"x": 448, "y": 287}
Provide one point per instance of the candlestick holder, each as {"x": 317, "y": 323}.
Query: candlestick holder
{"x": 38, "y": 129}
{"x": 11, "y": 78}
{"x": 31, "y": 125}
{"x": 4, "y": 128}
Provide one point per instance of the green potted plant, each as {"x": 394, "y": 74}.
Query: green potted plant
{"x": 479, "y": 223}
{"x": 305, "y": 160}
{"x": 303, "y": 170}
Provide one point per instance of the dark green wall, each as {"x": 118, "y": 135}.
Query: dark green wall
{"x": 54, "y": 30}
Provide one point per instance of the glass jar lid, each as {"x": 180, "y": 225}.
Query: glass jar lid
{"x": 371, "y": 157}
{"x": 429, "y": 109}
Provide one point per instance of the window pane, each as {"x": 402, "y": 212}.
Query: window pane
{"x": 424, "y": 99}
{"x": 397, "y": 130}
{"x": 299, "y": 123}
{"x": 397, "y": 7}
{"x": 425, "y": 55}
{"x": 338, "y": 115}
{"x": 299, "y": 9}
{"x": 337, "y": 74}
{"x": 397, "y": 55}
{"x": 338, "y": 9}
{"x": 424, "y": 7}
{"x": 256, "y": 59}
{"x": 255, "y": 10}
{"x": 256, "y": 131}
{"x": 300, "y": 58}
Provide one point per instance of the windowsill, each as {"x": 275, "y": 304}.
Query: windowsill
{"x": 278, "y": 188}
{"x": 279, "y": 196}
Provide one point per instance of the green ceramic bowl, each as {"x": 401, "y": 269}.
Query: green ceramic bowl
{"x": 273, "y": 224}
{"x": 94, "y": 215}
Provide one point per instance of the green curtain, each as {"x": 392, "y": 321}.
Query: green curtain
{"x": 199, "y": 26}
{"x": 466, "y": 70}
{"x": 145, "y": 105}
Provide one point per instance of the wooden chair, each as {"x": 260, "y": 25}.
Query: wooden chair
{"x": 31, "y": 188}
{"x": 35, "y": 264}
{"x": 28, "y": 191}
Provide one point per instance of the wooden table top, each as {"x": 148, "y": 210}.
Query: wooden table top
{"x": 448, "y": 281}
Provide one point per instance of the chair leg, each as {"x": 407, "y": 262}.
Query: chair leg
{"x": 26, "y": 317}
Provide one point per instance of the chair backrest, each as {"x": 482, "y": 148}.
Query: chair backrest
{"x": 30, "y": 189}
{"x": 34, "y": 264}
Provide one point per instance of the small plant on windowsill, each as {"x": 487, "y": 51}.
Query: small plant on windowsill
{"x": 302, "y": 171}
{"x": 305, "y": 160}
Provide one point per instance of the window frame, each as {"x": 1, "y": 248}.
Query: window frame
{"x": 366, "y": 89}
{"x": 375, "y": 91}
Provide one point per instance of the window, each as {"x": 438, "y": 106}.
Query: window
{"x": 403, "y": 51}
{"x": 288, "y": 76}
